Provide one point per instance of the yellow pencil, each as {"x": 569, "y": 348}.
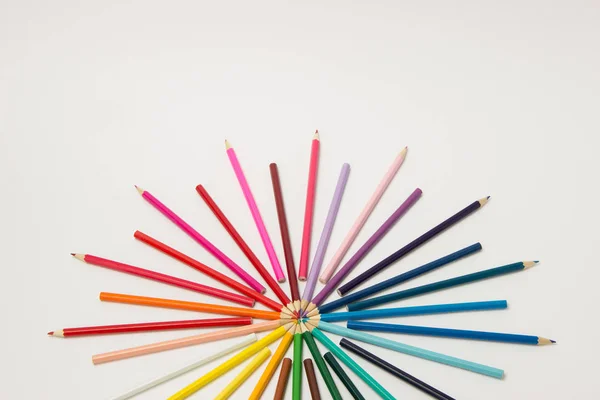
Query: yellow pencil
{"x": 266, "y": 376}
{"x": 229, "y": 364}
{"x": 245, "y": 374}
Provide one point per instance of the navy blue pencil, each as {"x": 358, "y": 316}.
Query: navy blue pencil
{"x": 415, "y": 310}
{"x": 445, "y": 284}
{"x": 450, "y": 333}
{"x": 361, "y": 294}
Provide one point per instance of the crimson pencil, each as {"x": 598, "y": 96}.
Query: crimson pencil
{"x": 151, "y": 326}
{"x": 309, "y": 207}
{"x": 224, "y": 279}
{"x": 237, "y": 238}
{"x": 168, "y": 279}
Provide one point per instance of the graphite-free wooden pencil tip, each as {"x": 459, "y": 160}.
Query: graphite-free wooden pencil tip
{"x": 227, "y": 144}
{"x": 139, "y": 189}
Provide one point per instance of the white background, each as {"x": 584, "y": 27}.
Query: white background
{"x": 498, "y": 99}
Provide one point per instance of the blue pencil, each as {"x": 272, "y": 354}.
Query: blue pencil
{"x": 361, "y": 294}
{"x": 411, "y": 350}
{"x": 445, "y": 284}
{"x": 451, "y": 333}
{"x": 415, "y": 310}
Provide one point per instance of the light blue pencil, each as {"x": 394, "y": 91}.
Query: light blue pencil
{"x": 411, "y": 350}
{"x": 415, "y": 310}
{"x": 345, "y": 358}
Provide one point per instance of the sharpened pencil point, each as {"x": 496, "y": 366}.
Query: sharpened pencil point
{"x": 316, "y": 136}
{"x": 80, "y": 257}
{"x": 51, "y": 333}
{"x": 529, "y": 264}
{"x": 227, "y": 144}
{"x": 552, "y": 341}
{"x": 139, "y": 189}
{"x": 483, "y": 201}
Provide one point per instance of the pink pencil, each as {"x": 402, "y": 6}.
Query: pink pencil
{"x": 260, "y": 225}
{"x": 310, "y": 205}
{"x": 212, "y": 249}
{"x": 362, "y": 218}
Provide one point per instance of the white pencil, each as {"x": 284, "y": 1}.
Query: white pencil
{"x": 246, "y": 340}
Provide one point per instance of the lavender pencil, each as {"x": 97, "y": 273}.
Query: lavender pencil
{"x": 369, "y": 244}
{"x": 315, "y": 268}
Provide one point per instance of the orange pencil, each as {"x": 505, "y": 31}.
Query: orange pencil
{"x": 188, "y": 305}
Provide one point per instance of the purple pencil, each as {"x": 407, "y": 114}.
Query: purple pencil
{"x": 369, "y": 244}
{"x": 315, "y": 268}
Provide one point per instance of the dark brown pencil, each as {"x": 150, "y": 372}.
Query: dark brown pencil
{"x": 312, "y": 379}
{"x": 285, "y": 236}
{"x": 284, "y": 375}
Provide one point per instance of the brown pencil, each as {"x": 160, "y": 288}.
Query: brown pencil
{"x": 284, "y": 376}
{"x": 312, "y": 379}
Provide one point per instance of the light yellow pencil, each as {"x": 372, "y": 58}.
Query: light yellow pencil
{"x": 266, "y": 376}
{"x": 229, "y": 364}
{"x": 245, "y": 374}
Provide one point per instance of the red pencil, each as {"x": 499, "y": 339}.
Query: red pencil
{"x": 309, "y": 208}
{"x": 232, "y": 283}
{"x": 151, "y": 326}
{"x": 242, "y": 244}
{"x": 168, "y": 279}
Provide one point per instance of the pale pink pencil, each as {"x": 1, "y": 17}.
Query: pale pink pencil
{"x": 363, "y": 216}
{"x": 184, "y": 342}
{"x": 211, "y": 248}
{"x": 260, "y": 225}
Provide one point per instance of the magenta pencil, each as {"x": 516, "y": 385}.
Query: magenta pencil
{"x": 260, "y": 225}
{"x": 212, "y": 249}
{"x": 309, "y": 208}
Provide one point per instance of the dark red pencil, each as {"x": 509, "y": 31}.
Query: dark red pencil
{"x": 285, "y": 237}
{"x": 232, "y": 283}
{"x": 237, "y": 238}
{"x": 168, "y": 279}
{"x": 151, "y": 326}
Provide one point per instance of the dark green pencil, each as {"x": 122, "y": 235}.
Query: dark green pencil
{"x": 448, "y": 283}
{"x": 339, "y": 371}
{"x": 314, "y": 350}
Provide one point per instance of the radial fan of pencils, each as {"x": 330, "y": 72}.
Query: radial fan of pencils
{"x": 266, "y": 322}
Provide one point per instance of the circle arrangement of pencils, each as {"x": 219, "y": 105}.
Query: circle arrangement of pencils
{"x": 302, "y": 319}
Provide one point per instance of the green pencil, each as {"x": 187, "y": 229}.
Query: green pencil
{"x": 297, "y": 365}
{"x": 339, "y": 371}
{"x": 314, "y": 350}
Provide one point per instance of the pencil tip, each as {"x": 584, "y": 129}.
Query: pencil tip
{"x": 139, "y": 189}
{"x": 51, "y": 333}
{"x": 536, "y": 261}
{"x": 73, "y": 254}
{"x": 552, "y": 341}
{"x": 316, "y": 136}
{"x": 483, "y": 201}
{"x": 80, "y": 257}
{"x": 227, "y": 144}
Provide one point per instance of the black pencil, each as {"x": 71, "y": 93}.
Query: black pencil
{"x": 397, "y": 372}
{"x": 339, "y": 371}
{"x": 430, "y": 234}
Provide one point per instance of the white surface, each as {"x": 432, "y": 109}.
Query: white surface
{"x": 498, "y": 99}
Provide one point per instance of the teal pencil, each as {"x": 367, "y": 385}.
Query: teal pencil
{"x": 445, "y": 284}
{"x": 345, "y": 358}
{"x": 411, "y": 350}
{"x": 314, "y": 350}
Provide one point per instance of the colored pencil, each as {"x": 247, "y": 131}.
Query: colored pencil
{"x": 445, "y": 284}
{"x": 309, "y": 207}
{"x": 316, "y": 354}
{"x": 246, "y": 340}
{"x": 197, "y": 265}
{"x": 188, "y": 305}
{"x": 184, "y": 342}
{"x": 201, "y": 240}
{"x": 297, "y": 366}
{"x": 252, "y": 366}
{"x": 341, "y": 374}
{"x": 285, "y": 237}
{"x": 164, "y": 278}
{"x": 269, "y": 371}
{"x": 415, "y": 310}
{"x": 379, "y": 287}
{"x": 392, "y": 369}
{"x": 412, "y": 350}
{"x": 282, "y": 381}
{"x": 362, "y": 217}
{"x": 311, "y": 377}
{"x": 353, "y": 365}
{"x": 367, "y": 247}
{"x": 315, "y": 267}
{"x": 229, "y": 364}
{"x": 242, "y": 245}
{"x": 424, "y": 238}
{"x": 150, "y": 326}
{"x": 449, "y": 333}
{"x": 260, "y": 225}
